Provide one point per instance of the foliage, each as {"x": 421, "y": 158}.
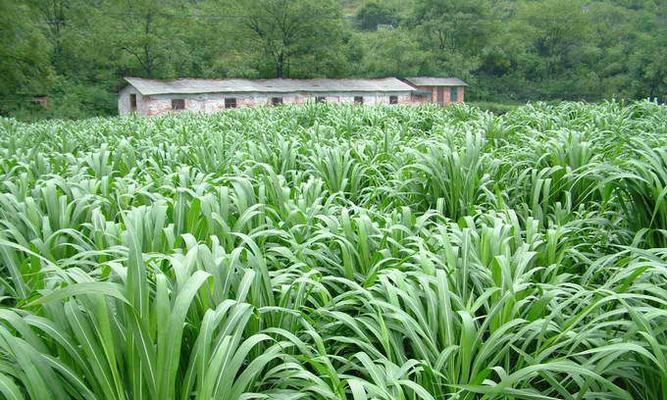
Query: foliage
{"x": 24, "y": 56}
{"x": 337, "y": 252}
{"x": 289, "y": 34}
{"x": 496, "y": 108}
{"x": 508, "y": 51}
{"x": 373, "y": 14}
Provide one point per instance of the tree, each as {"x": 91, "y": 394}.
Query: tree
{"x": 54, "y": 15}
{"x": 373, "y": 14}
{"x": 150, "y": 32}
{"x": 286, "y": 31}
{"x": 25, "y": 68}
{"x": 647, "y": 58}
{"x": 649, "y": 64}
{"x": 391, "y": 52}
{"x": 454, "y": 32}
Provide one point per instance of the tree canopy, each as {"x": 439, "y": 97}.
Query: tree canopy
{"x": 77, "y": 51}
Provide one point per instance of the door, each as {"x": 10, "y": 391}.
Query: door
{"x": 441, "y": 95}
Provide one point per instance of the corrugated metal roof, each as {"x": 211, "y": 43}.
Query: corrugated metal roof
{"x": 431, "y": 81}
{"x": 194, "y": 86}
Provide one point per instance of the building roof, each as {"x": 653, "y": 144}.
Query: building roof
{"x": 430, "y": 81}
{"x": 196, "y": 86}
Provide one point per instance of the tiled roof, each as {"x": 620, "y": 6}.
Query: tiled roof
{"x": 194, "y": 86}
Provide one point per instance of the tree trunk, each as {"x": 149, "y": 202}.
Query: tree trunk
{"x": 148, "y": 53}
{"x": 280, "y": 65}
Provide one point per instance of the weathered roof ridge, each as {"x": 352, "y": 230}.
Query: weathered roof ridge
{"x": 280, "y": 85}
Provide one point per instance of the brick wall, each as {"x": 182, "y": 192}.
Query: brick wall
{"x": 446, "y": 94}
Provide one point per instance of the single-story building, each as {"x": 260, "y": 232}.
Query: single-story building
{"x": 443, "y": 90}
{"x": 151, "y": 97}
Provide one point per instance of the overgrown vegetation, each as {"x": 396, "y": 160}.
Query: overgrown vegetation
{"x": 77, "y": 51}
{"x": 337, "y": 252}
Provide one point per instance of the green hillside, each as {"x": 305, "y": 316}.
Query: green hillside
{"x": 77, "y": 52}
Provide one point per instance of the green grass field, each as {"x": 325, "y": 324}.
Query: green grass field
{"x": 337, "y": 252}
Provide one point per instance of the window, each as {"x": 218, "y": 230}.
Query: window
{"x": 177, "y": 104}
{"x": 454, "y": 94}
{"x": 320, "y": 99}
{"x": 393, "y": 99}
{"x": 358, "y": 100}
{"x": 276, "y": 101}
{"x": 133, "y": 102}
{"x": 230, "y": 102}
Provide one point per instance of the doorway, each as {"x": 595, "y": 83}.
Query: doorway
{"x": 441, "y": 95}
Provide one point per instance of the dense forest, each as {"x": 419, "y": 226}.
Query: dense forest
{"x": 77, "y": 51}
